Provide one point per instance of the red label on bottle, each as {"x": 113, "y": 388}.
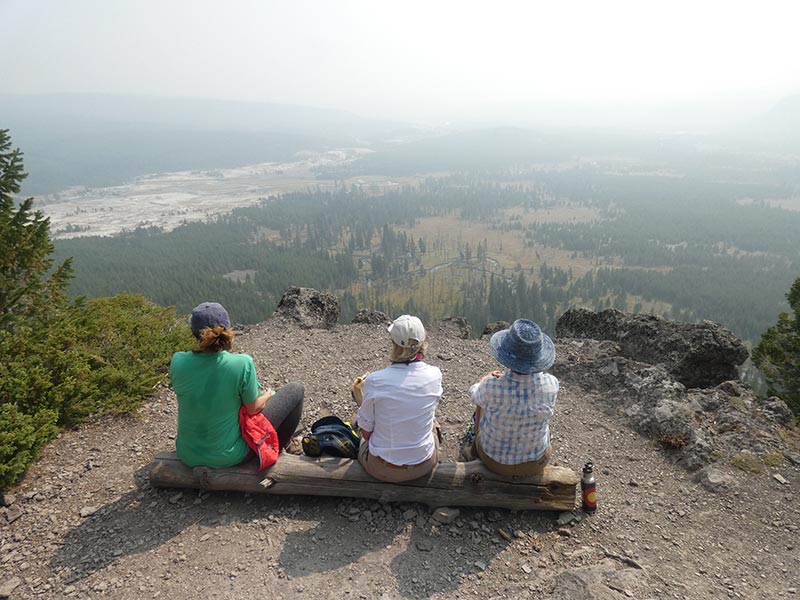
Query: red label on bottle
{"x": 590, "y": 498}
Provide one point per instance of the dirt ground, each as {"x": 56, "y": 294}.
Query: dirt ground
{"x": 84, "y": 523}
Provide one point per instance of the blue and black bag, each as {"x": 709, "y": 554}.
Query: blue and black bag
{"x": 332, "y": 436}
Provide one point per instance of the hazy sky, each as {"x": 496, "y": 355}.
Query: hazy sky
{"x": 405, "y": 59}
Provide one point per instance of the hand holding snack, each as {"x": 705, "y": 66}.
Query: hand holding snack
{"x": 357, "y": 389}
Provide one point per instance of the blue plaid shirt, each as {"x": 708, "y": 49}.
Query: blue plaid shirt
{"x": 515, "y": 415}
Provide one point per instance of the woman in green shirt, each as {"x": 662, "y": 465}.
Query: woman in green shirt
{"x": 212, "y": 384}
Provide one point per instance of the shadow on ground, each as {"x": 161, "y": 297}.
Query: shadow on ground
{"x": 423, "y": 557}
{"x": 429, "y": 559}
{"x": 141, "y": 520}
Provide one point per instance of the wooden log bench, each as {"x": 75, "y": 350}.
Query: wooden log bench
{"x": 449, "y": 484}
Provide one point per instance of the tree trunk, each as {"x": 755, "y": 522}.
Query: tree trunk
{"x": 449, "y": 484}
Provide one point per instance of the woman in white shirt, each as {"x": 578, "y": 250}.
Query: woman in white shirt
{"x": 397, "y": 416}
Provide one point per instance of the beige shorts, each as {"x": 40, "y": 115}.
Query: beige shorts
{"x": 386, "y": 471}
{"x": 526, "y": 469}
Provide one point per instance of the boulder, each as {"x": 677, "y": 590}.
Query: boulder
{"x": 715, "y": 480}
{"x": 495, "y": 326}
{"x": 777, "y": 410}
{"x": 699, "y": 355}
{"x": 309, "y": 308}
{"x": 457, "y": 327}
{"x": 371, "y": 317}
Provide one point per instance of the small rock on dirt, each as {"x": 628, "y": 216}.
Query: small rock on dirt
{"x": 8, "y": 586}
{"x": 566, "y": 518}
{"x": 445, "y": 514}
{"x": 12, "y": 513}
{"x": 715, "y": 480}
{"x": 409, "y": 514}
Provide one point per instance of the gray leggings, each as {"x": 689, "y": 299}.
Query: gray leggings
{"x": 284, "y": 410}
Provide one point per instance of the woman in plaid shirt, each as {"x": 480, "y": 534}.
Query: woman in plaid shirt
{"x": 514, "y": 407}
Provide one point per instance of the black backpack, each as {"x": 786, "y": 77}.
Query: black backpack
{"x": 331, "y": 435}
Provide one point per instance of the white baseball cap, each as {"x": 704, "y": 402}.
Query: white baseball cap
{"x": 407, "y": 331}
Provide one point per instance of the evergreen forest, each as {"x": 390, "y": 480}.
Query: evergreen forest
{"x": 485, "y": 246}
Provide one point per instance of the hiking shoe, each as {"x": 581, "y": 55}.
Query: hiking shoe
{"x": 467, "y": 453}
{"x": 295, "y": 446}
{"x": 310, "y": 445}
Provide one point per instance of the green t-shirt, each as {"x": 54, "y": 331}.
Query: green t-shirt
{"x": 211, "y": 388}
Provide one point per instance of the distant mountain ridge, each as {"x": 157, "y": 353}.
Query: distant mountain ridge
{"x": 202, "y": 114}
{"x": 784, "y": 117}
{"x": 776, "y": 130}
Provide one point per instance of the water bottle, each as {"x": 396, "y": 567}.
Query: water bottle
{"x": 589, "y": 489}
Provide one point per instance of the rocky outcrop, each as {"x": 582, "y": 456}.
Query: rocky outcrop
{"x": 371, "y": 317}
{"x": 457, "y": 327}
{"x": 494, "y": 327}
{"x": 697, "y": 425}
{"x": 698, "y": 355}
{"x": 309, "y": 308}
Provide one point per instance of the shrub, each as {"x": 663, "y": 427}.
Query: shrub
{"x": 21, "y": 437}
{"x": 103, "y": 357}
{"x": 773, "y": 459}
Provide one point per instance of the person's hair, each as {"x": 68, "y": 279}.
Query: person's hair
{"x": 214, "y": 339}
{"x": 400, "y": 354}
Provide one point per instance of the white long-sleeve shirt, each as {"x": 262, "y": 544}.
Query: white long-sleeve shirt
{"x": 399, "y": 407}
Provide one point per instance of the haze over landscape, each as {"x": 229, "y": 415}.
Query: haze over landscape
{"x": 490, "y": 161}
{"x": 429, "y": 62}
{"x": 137, "y": 118}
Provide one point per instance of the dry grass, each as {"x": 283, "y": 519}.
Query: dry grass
{"x": 508, "y": 252}
{"x": 673, "y": 441}
{"x": 749, "y": 463}
{"x": 790, "y": 436}
{"x": 739, "y": 403}
{"x": 773, "y": 459}
{"x": 447, "y": 236}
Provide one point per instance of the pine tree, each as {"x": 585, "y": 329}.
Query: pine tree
{"x": 778, "y": 353}
{"x": 25, "y": 248}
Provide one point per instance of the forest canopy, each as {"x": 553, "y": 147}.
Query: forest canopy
{"x": 468, "y": 245}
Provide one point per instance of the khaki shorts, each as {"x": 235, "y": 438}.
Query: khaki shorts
{"x": 526, "y": 469}
{"x": 386, "y": 471}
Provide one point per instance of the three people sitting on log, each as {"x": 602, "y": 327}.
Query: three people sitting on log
{"x": 511, "y": 425}
{"x": 397, "y": 408}
{"x": 213, "y": 384}
{"x": 510, "y": 431}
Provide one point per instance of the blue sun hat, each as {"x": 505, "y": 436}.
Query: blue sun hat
{"x": 523, "y": 347}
